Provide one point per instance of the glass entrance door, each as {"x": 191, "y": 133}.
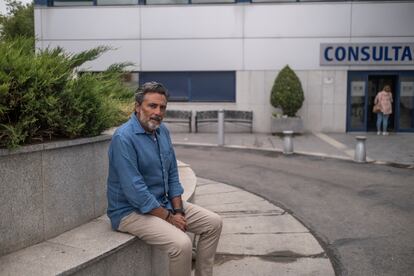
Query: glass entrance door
{"x": 362, "y": 89}
{"x": 375, "y": 84}
{"x": 406, "y": 103}
{"x": 356, "y": 108}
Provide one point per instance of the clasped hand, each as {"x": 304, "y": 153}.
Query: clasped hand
{"x": 179, "y": 221}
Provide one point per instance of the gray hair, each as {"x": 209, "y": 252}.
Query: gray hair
{"x": 150, "y": 87}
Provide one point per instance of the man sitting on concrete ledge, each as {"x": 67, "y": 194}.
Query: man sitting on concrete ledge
{"x": 144, "y": 192}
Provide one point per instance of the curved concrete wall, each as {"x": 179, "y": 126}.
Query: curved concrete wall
{"x": 47, "y": 189}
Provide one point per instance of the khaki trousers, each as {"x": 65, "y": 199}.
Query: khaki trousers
{"x": 176, "y": 243}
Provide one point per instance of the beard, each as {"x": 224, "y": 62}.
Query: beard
{"x": 149, "y": 123}
{"x": 153, "y": 126}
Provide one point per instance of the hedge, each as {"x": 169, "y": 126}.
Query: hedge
{"x": 44, "y": 96}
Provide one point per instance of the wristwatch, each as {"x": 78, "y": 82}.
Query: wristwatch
{"x": 179, "y": 210}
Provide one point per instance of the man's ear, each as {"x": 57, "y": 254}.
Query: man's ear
{"x": 137, "y": 107}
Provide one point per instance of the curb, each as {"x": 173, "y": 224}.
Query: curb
{"x": 304, "y": 153}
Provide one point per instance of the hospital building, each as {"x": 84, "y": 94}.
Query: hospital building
{"x": 226, "y": 54}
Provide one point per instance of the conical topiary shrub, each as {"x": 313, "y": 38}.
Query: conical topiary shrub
{"x": 287, "y": 92}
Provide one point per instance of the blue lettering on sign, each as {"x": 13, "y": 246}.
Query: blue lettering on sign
{"x": 340, "y": 53}
{"x": 365, "y": 53}
{"x": 353, "y": 53}
{"x": 377, "y": 53}
{"x": 386, "y": 56}
{"x": 407, "y": 54}
{"x": 396, "y": 51}
{"x": 360, "y": 53}
{"x": 326, "y": 53}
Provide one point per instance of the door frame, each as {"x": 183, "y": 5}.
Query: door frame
{"x": 363, "y": 75}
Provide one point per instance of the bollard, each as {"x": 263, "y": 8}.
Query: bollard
{"x": 360, "y": 151}
{"x": 220, "y": 131}
{"x": 287, "y": 142}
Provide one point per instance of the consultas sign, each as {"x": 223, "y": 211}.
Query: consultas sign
{"x": 367, "y": 54}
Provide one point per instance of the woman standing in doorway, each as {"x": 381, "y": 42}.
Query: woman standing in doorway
{"x": 384, "y": 100}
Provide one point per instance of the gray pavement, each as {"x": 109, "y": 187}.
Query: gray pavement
{"x": 397, "y": 148}
{"x": 262, "y": 239}
{"x": 259, "y": 238}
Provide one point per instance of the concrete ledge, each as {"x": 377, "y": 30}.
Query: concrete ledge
{"x": 188, "y": 179}
{"x": 56, "y": 145}
{"x": 94, "y": 249}
{"x": 50, "y": 188}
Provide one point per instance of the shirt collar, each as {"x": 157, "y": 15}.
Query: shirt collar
{"x": 136, "y": 125}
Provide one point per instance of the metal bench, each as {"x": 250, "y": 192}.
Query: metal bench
{"x": 179, "y": 116}
{"x": 231, "y": 116}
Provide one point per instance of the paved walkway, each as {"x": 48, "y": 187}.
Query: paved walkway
{"x": 397, "y": 148}
{"x": 258, "y": 237}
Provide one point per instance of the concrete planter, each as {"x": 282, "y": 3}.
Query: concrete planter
{"x": 278, "y": 125}
{"x": 50, "y": 188}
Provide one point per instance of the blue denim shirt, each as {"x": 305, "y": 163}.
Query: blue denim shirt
{"x": 143, "y": 172}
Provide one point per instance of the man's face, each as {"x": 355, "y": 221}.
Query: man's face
{"x": 152, "y": 110}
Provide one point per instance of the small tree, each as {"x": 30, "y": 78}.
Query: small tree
{"x": 287, "y": 92}
{"x": 19, "y": 22}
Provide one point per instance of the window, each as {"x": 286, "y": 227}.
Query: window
{"x": 116, "y": 2}
{"x": 165, "y": 2}
{"x": 171, "y": 2}
{"x": 212, "y": 1}
{"x": 72, "y": 3}
{"x": 196, "y": 86}
{"x": 60, "y": 3}
{"x": 282, "y": 1}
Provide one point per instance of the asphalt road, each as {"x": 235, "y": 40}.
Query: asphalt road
{"x": 362, "y": 214}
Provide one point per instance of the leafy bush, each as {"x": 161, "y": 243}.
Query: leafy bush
{"x": 287, "y": 92}
{"x": 19, "y": 22}
{"x": 43, "y": 96}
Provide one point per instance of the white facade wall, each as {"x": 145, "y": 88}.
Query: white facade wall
{"x": 255, "y": 40}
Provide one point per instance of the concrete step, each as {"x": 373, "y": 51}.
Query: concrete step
{"x": 259, "y": 238}
{"x": 91, "y": 249}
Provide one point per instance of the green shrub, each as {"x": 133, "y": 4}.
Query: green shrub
{"x": 43, "y": 96}
{"x": 287, "y": 92}
{"x": 19, "y": 21}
